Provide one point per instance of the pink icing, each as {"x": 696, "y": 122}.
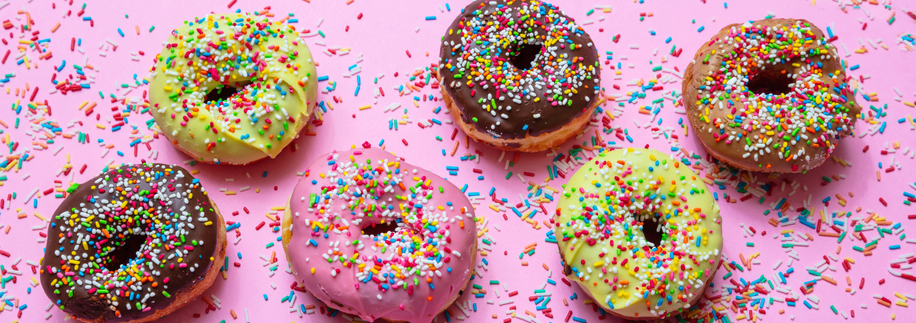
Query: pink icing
{"x": 443, "y": 240}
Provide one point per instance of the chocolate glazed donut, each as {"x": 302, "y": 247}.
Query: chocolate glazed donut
{"x": 132, "y": 245}
{"x": 519, "y": 75}
{"x": 770, "y": 96}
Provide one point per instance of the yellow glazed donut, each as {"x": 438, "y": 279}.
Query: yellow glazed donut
{"x": 639, "y": 232}
{"x": 233, "y": 88}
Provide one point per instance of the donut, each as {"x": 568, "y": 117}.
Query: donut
{"x": 770, "y": 96}
{"x": 373, "y": 236}
{"x": 639, "y": 232}
{"x": 518, "y": 75}
{"x": 133, "y": 244}
{"x": 233, "y": 88}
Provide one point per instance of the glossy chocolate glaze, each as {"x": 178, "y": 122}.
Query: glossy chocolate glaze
{"x": 182, "y": 243}
{"x": 527, "y": 106}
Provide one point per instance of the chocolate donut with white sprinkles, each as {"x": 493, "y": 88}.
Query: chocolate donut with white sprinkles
{"x": 132, "y": 244}
{"x": 519, "y": 75}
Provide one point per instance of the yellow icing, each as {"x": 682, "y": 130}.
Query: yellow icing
{"x": 184, "y": 74}
{"x": 625, "y": 189}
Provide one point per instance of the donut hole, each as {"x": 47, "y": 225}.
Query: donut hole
{"x": 523, "y": 56}
{"x": 224, "y": 92}
{"x": 124, "y": 251}
{"x": 769, "y": 82}
{"x": 653, "y": 231}
{"x": 377, "y": 229}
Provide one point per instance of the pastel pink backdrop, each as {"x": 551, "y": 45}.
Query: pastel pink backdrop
{"x": 380, "y": 40}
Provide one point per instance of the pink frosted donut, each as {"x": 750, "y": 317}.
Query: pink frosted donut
{"x": 373, "y": 236}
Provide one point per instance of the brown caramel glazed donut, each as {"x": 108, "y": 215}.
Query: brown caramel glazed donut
{"x": 519, "y": 75}
{"x": 769, "y": 95}
{"x": 132, "y": 245}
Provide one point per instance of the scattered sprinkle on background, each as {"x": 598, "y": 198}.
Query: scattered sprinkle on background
{"x": 827, "y": 245}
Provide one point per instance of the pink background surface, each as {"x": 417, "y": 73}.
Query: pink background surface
{"x": 377, "y": 43}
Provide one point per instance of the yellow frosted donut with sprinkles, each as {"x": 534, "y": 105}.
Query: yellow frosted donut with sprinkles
{"x": 639, "y": 232}
{"x": 233, "y": 88}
